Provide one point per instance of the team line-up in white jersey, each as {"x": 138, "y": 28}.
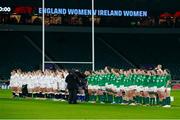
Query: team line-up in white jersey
{"x": 38, "y": 81}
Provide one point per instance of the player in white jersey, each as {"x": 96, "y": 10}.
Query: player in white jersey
{"x": 63, "y": 83}
{"x": 29, "y": 83}
{"x": 54, "y": 85}
{"x": 13, "y": 82}
{"x": 41, "y": 83}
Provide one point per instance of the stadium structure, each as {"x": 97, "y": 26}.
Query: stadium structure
{"x": 89, "y": 35}
{"x": 122, "y": 38}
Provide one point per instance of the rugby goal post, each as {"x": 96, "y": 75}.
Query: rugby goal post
{"x": 67, "y": 62}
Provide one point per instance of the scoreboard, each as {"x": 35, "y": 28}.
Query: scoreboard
{"x": 153, "y": 6}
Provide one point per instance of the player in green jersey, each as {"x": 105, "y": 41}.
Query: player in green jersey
{"x": 151, "y": 88}
{"x": 167, "y": 85}
{"x": 92, "y": 87}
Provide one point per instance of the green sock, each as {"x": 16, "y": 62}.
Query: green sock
{"x": 137, "y": 99}
{"x": 157, "y": 101}
{"x": 150, "y": 102}
{"x": 117, "y": 99}
{"x": 160, "y": 102}
{"x": 140, "y": 100}
{"x": 144, "y": 100}
{"x": 121, "y": 100}
{"x": 168, "y": 101}
{"x": 104, "y": 98}
{"x": 163, "y": 102}
{"x": 134, "y": 99}
{"x": 95, "y": 98}
{"x": 100, "y": 98}
{"x": 153, "y": 101}
{"x": 113, "y": 98}
{"x": 125, "y": 101}
{"x": 147, "y": 100}
{"x": 130, "y": 101}
{"x": 90, "y": 97}
{"x": 110, "y": 98}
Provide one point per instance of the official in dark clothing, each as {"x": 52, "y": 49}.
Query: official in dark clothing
{"x": 72, "y": 86}
{"x": 24, "y": 90}
{"x": 84, "y": 85}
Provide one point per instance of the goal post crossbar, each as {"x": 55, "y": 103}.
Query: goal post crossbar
{"x": 67, "y": 62}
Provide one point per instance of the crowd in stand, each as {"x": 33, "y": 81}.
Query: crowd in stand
{"x": 116, "y": 86}
{"x": 75, "y": 20}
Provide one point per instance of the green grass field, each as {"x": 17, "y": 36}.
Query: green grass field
{"x": 45, "y": 109}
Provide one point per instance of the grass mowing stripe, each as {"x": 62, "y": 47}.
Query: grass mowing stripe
{"x": 27, "y": 108}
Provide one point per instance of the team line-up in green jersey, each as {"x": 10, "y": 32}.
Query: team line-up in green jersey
{"x": 130, "y": 80}
{"x": 130, "y": 88}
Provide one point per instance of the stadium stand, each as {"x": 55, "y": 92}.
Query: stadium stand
{"x": 25, "y": 14}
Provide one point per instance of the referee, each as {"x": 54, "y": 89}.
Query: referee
{"x": 72, "y": 86}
